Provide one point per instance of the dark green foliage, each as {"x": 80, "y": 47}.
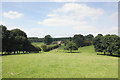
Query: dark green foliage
{"x": 98, "y": 43}
{"x": 61, "y": 39}
{"x": 71, "y": 46}
{"x": 89, "y": 37}
{"x": 88, "y": 40}
{"x": 51, "y": 47}
{"x": 35, "y": 39}
{"x": 44, "y": 47}
{"x": 48, "y": 40}
{"x": 107, "y": 43}
{"x": 5, "y": 39}
{"x": 79, "y": 40}
{"x": 15, "y": 41}
{"x": 112, "y": 43}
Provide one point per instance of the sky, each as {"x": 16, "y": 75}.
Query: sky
{"x": 61, "y": 19}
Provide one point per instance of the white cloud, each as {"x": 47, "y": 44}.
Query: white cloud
{"x": 61, "y": 22}
{"x": 80, "y": 18}
{"x": 114, "y": 16}
{"x": 80, "y": 11}
{"x": 73, "y": 15}
{"x": 60, "y": 0}
{"x": 12, "y": 14}
{"x": 1, "y": 22}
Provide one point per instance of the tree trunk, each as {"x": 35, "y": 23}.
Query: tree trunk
{"x": 110, "y": 53}
{"x": 104, "y": 53}
{"x": 70, "y": 50}
{"x": 14, "y": 52}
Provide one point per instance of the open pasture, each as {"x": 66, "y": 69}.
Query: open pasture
{"x": 60, "y": 64}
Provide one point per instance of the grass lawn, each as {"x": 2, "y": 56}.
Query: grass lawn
{"x": 60, "y": 64}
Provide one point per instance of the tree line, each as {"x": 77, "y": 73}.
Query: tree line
{"x": 15, "y": 41}
{"x": 36, "y": 39}
{"x": 107, "y": 44}
{"x": 78, "y": 40}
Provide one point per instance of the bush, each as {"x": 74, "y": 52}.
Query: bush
{"x": 71, "y": 46}
{"x": 51, "y": 47}
{"x": 44, "y": 47}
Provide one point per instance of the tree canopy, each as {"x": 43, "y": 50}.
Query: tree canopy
{"x": 78, "y": 40}
{"x": 107, "y": 43}
{"x": 15, "y": 40}
{"x": 48, "y": 39}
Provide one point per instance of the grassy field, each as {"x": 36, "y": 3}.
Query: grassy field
{"x": 60, "y": 64}
{"x": 37, "y": 44}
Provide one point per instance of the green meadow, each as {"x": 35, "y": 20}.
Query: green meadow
{"x": 58, "y": 63}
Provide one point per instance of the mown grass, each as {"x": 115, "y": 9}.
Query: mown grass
{"x": 59, "y": 64}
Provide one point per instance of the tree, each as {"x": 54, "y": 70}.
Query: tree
{"x": 88, "y": 40}
{"x": 15, "y": 41}
{"x": 18, "y": 37}
{"x": 48, "y": 39}
{"x": 98, "y": 43}
{"x": 112, "y": 43}
{"x": 89, "y": 37}
{"x": 107, "y": 43}
{"x": 71, "y": 46}
{"x": 5, "y": 39}
{"x": 44, "y": 47}
{"x": 79, "y": 40}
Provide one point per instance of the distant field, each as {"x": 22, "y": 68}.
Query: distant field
{"x": 37, "y": 43}
{"x": 60, "y": 64}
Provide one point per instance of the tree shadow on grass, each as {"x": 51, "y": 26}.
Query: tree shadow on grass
{"x": 108, "y": 55}
{"x": 15, "y": 54}
{"x": 72, "y": 52}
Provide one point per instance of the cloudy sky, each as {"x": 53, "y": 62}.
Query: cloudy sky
{"x": 61, "y": 19}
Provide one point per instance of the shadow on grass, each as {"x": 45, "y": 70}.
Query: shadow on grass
{"x": 72, "y": 52}
{"x": 16, "y": 54}
{"x": 108, "y": 55}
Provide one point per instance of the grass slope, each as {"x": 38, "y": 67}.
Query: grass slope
{"x": 59, "y": 64}
{"x": 37, "y": 44}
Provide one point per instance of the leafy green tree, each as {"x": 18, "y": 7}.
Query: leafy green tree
{"x": 18, "y": 37}
{"x": 48, "y": 39}
{"x": 89, "y": 37}
{"x": 112, "y": 43}
{"x": 88, "y": 40}
{"x": 71, "y": 46}
{"x": 98, "y": 43}
{"x": 79, "y": 40}
{"x": 44, "y": 47}
{"x": 5, "y": 39}
{"x": 107, "y": 43}
{"x": 15, "y": 40}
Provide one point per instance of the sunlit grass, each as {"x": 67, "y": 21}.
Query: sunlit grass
{"x": 60, "y": 64}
